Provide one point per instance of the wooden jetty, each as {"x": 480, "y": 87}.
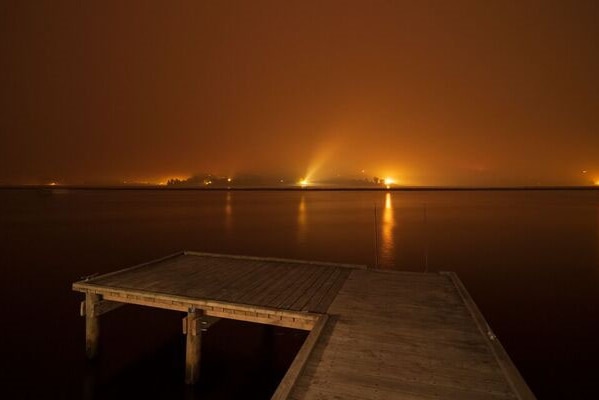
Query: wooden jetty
{"x": 373, "y": 334}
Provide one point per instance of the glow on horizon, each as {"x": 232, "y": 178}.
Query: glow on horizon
{"x": 161, "y": 181}
{"x": 304, "y": 182}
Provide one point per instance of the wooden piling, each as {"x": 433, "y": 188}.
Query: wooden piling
{"x": 92, "y": 326}
{"x": 193, "y": 351}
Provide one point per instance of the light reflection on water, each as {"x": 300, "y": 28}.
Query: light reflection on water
{"x": 302, "y": 221}
{"x": 228, "y": 213}
{"x": 387, "y": 238}
{"x": 528, "y": 258}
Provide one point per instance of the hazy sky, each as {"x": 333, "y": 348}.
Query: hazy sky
{"x": 431, "y": 92}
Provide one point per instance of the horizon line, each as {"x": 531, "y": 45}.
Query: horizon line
{"x": 298, "y": 188}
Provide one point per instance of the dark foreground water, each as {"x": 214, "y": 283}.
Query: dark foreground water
{"x": 530, "y": 259}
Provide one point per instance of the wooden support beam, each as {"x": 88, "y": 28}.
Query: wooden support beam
{"x": 300, "y": 361}
{"x": 92, "y": 326}
{"x": 206, "y": 322}
{"x": 240, "y": 312}
{"x": 100, "y": 307}
{"x": 192, "y": 328}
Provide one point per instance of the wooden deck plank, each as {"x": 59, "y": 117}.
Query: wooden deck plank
{"x": 299, "y": 363}
{"x": 163, "y": 278}
{"x": 270, "y": 286}
{"x": 298, "y": 289}
{"x": 395, "y": 337}
{"x": 313, "y": 289}
{"x": 242, "y": 283}
{"x": 262, "y": 284}
{"x": 284, "y": 283}
{"x": 227, "y": 274}
{"x": 334, "y": 280}
{"x": 356, "y": 387}
{"x": 389, "y": 335}
{"x": 291, "y": 301}
{"x": 390, "y": 366}
{"x": 258, "y": 283}
{"x": 286, "y": 299}
{"x": 138, "y": 276}
{"x": 290, "y": 283}
{"x": 331, "y": 292}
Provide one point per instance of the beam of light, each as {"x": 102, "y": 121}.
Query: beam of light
{"x": 304, "y": 182}
{"x": 317, "y": 162}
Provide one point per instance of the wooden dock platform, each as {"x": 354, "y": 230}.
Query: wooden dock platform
{"x": 373, "y": 334}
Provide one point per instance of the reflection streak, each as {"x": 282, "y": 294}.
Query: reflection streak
{"x": 302, "y": 223}
{"x": 387, "y": 244}
{"x": 228, "y": 213}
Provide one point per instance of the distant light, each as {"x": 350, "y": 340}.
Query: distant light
{"x": 53, "y": 184}
{"x": 228, "y": 179}
{"x": 584, "y": 171}
{"x": 388, "y": 182}
{"x": 304, "y": 182}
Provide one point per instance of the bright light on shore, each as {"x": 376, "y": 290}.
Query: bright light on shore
{"x": 304, "y": 182}
{"x": 388, "y": 182}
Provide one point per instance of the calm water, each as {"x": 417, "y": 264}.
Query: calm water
{"x": 529, "y": 259}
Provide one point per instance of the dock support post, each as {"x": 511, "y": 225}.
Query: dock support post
{"x": 192, "y": 328}
{"x": 92, "y": 326}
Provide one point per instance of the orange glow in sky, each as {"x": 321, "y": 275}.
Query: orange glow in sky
{"x": 395, "y": 88}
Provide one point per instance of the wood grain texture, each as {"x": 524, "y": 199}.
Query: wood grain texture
{"x": 274, "y": 291}
{"x": 389, "y": 335}
{"x": 402, "y": 336}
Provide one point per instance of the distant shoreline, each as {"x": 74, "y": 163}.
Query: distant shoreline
{"x": 293, "y": 188}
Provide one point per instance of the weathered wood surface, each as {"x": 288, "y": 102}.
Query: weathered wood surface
{"x": 273, "y": 291}
{"x": 301, "y": 358}
{"x": 375, "y": 334}
{"x": 92, "y": 326}
{"x": 193, "y": 346}
{"x": 403, "y": 336}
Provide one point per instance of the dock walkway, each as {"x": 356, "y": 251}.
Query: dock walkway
{"x": 373, "y": 334}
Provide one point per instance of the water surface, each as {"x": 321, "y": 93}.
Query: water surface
{"x": 530, "y": 259}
